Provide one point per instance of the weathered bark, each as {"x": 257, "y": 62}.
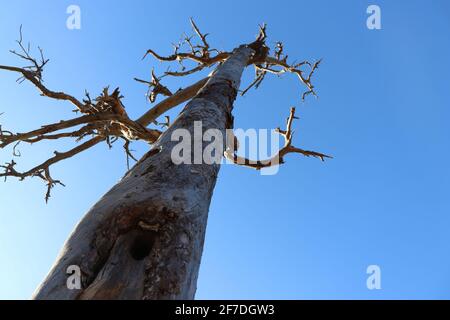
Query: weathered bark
{"x": 144, "y": 238}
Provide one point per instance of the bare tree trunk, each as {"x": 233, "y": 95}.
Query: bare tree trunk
{"x": 144, "y": 238}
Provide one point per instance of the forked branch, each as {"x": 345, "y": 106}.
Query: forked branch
{"x": 278, "y": 158}
{"x": 43, "y": 170}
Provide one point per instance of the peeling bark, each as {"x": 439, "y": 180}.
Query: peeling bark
{"x": 144, "y": 238}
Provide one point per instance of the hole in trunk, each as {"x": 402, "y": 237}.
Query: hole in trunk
{"x": 142, "y": 245}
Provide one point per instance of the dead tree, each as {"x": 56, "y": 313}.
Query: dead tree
{"x": 144, "y": 238}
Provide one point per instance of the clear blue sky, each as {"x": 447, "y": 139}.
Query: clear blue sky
{"x": 311, "y": 230}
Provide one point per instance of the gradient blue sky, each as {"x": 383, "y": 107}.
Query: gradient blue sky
{"x": 311, "y": 230}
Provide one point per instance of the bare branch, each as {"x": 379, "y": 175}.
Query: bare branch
{"x": 198, "y": 53}
{"x": 200, "y": 35}
{"x": 6, "y": 137}
{"x": 278, "y": 65}
{"x": 295, "y": 69}
{"x": 177, "y": 98}
{"x": 259, "y": 77}
{"x": 262, "y": 33}
{"x": 43, "y": 170}
{"x": 31, "y": 76}
{"x": 278, "y": 158}
{"x": 33, "y": 73}
{"x": 128, "y": 152}
{"x": 158, "y": 88}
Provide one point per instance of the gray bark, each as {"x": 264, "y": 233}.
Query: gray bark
{"x": 144, "y": 238}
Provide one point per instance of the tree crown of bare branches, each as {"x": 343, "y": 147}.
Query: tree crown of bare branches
{"x": 104, "y": 118}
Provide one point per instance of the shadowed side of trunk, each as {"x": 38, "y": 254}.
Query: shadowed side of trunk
{"x": 144, "y": 238}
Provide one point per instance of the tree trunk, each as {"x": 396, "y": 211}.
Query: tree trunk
{"x": 144, "y": 238}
